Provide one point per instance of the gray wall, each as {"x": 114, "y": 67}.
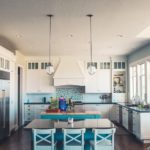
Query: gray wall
{"x": 139, "y": 54}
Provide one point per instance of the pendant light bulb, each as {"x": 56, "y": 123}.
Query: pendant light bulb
{"x": 91, "y": 65}
{"x": 91, "y": 68}
{"x": 49, "y": 67}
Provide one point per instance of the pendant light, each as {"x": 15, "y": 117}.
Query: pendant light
{"x": 49, "y": 67}
{"x": 91, "y": 65}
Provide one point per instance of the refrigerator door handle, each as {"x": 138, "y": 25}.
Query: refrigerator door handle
{"x": 4, "y": 105}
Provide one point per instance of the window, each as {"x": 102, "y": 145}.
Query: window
{"x": 104, "y": 65}
{"x": 148, "y": 82}
{"x": 119, "y": 65}
{"x": 33, "y": 65}
{"x": 141, "y": 81}
{"x": 133, "y": 83}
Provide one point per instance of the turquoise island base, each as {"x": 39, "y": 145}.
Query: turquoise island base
{"x": 75, "y": 115}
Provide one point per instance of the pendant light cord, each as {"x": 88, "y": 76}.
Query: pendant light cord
{"x": 91, "y": 54}
{"x": 50, "y": 26}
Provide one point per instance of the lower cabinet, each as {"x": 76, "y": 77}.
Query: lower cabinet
{"x": 32, "y": 111}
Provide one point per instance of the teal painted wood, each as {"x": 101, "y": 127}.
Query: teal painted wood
{"x": 66, "y": 116}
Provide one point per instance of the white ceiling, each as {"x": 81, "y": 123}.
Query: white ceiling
{"x": 116, "y": 24}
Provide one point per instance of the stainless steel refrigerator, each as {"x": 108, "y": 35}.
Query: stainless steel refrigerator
{"x": 4, "y": 103}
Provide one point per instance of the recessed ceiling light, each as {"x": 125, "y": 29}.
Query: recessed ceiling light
{"x": 18, "y": 36}
{"x": 119, "y": 35}
{"x": 70, "y": 35}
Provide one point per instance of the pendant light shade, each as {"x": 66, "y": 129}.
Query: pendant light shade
{"x": 91, "y": 65}
{"x": 49, "y": 67}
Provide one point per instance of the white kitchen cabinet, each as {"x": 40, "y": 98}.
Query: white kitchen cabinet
{"x": 144, "y": 127}
{"x": 38, "y": 109}
{"x": 32, "y": 111}
{"x": 92, "y": 83}
{"x": 38, "y": 81}
{"x": 125, "y": 117}
{"x": 100, "y": 82}
{"x": 141, "y": 124}
{"x": 29, "y": 114}
{"x": 136, "y": 128}
{"x": 33, "y": 81}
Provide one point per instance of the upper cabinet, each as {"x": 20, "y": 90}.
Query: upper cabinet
{"x": 38, "y": 81}
{"x": 6, "y": 57}
{"x": 100, "y": 82}
{"x": 4, "y": 64}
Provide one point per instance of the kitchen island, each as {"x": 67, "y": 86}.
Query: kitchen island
{"x": 76, "y": 115}
{"x": 88, "y": 124}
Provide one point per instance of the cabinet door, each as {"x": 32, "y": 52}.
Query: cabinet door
{"x": 104, "y": 81}
{"x": 92, "y": 83}
{"x": 33, "y": 81}
{"x": 29, "y": 112}
{"x": 39, "y": 109}
{"x": 100, "y": 82}
{"x": 46, "y": 82}
{"x": 39, "y": 81}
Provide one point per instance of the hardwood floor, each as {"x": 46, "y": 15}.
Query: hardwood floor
{"x": 21, "y": 140}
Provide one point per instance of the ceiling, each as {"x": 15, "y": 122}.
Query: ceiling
{"x": 116, "y": 25}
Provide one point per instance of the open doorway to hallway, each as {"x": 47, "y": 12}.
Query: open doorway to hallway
{"x": 20, "y": 96}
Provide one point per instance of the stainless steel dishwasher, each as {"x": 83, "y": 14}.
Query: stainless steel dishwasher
{"x": 130, "y": 120}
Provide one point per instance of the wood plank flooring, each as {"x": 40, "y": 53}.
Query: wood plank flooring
{"x": 21, "y": 140}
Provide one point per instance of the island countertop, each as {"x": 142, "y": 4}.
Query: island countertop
{"x": 88, "y": 123}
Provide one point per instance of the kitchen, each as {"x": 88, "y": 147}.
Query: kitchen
{"x": 119, "y": 89}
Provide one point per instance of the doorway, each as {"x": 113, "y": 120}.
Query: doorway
{"x": 19, "y": 91}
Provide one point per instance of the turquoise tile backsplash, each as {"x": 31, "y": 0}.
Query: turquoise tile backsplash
{"x": 76, "y": 93}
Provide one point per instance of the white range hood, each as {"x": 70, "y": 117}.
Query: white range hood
{"x": 69, "y": 73}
